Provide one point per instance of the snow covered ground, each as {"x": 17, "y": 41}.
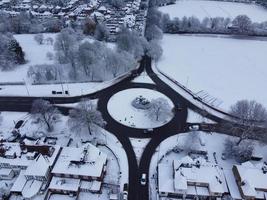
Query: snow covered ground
{"x": 143, "y": 78}
{"x": 228, "y": 69}
{"x": 34, "y": 54}
{"x": 202, "y": 9}
{"x": 194, "y": 117}
{"x": 120, "y": 108}
{"x": 139, "y": 146}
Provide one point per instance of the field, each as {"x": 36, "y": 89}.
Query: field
{"x": 34, "y": 54}
{"x": 202, "y": 9}
{"x": 226, "y": 68}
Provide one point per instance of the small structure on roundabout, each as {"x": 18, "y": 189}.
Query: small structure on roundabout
{"x": 141, "y": 102}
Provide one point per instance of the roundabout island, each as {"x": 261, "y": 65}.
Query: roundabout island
{"x": 140, "y": 108}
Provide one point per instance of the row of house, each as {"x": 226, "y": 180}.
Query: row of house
{"x": 132, "y": 15}
{"x": 37, "y": 167}
{"x": 189, "y": 179}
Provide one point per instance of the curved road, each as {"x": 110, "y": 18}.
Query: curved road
{"x": 123, "y": 133}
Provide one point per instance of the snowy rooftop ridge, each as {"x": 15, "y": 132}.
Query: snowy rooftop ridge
{"x": 253, "y": 178}
{"x": 87, "y": 161}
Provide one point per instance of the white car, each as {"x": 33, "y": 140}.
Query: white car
{"x": 125, "y": 192}
{"x": 143, "y": 179}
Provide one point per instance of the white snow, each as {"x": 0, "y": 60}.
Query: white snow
{"x": 139, "y": 146}
{"x": 226, "y": 68}
{"x": 34, "y": 54}
{"x": 194, "y": 117}
{"x": 9, "y": 121}
{"x": 143, "y": 78}
{"x": 120, "y": 108}
{"x": 202, "y": 9}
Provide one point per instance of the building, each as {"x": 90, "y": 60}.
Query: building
{"x": 78, "y": 169}
{"x": 87, "y": 163}
{"x": 251, "y": 180}
{"x": 187, "y": 178}
{"x": 30, "y": 162}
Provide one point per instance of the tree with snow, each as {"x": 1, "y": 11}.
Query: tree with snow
{"x": 89, "y": 26}
{"x": 39, "y": 38}
{"x": 66, "y": 50}
{"x": 240, "y": 152}
{"x": 131, "y": 42}
{"x": 85, "y": 115}
{"x": 243, "y": 23}
{"x": 159, "y": 109}
{"x": 153, "y": 32}
{"x": 11, "y": 53}
{"x": 250, "y": 115}
{"x": 192, "y": 141}
{"x": 101, "y": 32}
{"x": 46, "y": 113}
{"x": 154, "y": 50}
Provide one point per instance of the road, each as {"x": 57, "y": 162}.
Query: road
{"x": 123, "y": 133}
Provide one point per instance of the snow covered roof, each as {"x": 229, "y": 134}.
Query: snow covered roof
{"x": 5, "y": 171}
{"x": 202, "y": 173}
{"x": 67, "y": 184}
{"x": 232, "y": 185}
{"x": 165, "y": 178}
{"x": 38, "y": 167}
{"x": 31, "y": 188}
{"x": 84, "y": 161}
{"x": 252, "y": 178}
{"x": 91, "y": 185}
{"x": 19, "y": 183}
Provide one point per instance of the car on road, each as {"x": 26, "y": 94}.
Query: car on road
{"x": 125, "y": 192}
{"x": 143, "y": 179}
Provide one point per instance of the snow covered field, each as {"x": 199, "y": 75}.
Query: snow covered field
{"x": 202, "y": 9}
{"x": 120, "y": 108}
{"x": 34, "y": 54}
{"x": 226, "y": 68}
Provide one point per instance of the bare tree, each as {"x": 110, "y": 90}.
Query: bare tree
{"x": 154, "y": 50}
{"x": 45, "y": 113}
{"x": 240, "y": 152}
{"x": 250, "y": 115}
{"x": 39, "y": 38}
{"x": 192, "y": 141}
{"x": 243, "y": 23}
{"x": 85, "y": 115}
{"x": 159, "y": 110}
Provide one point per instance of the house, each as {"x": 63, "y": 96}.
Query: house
{"x": 38, "y": 169}
{"x": 188, "y": 178}
{"x": 73, "y": 186}
{"x": 78, "y": 169}
{"x": 64, "y": 185}
{"x": 6, "y": 174}
{"x": 86, "y": 162}
{"x": 251, "y": 180}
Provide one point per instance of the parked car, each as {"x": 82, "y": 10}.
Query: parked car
{"x": 143, "y": 179}
{"x": 125, "y": 192}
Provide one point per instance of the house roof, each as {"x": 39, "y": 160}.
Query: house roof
{"x": 38, "y": 167}
{"x": 252, "y": 177}
{"x": 68, "y": 184}
{"x": 87, "y": 160}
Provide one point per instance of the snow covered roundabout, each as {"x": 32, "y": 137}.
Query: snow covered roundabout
{"x": 141, "y": 108}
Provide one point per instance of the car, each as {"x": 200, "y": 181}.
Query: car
{"x": 125, "y": 192}
{"x": 143, "y": 179}
{"x": 223, "y": 157}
